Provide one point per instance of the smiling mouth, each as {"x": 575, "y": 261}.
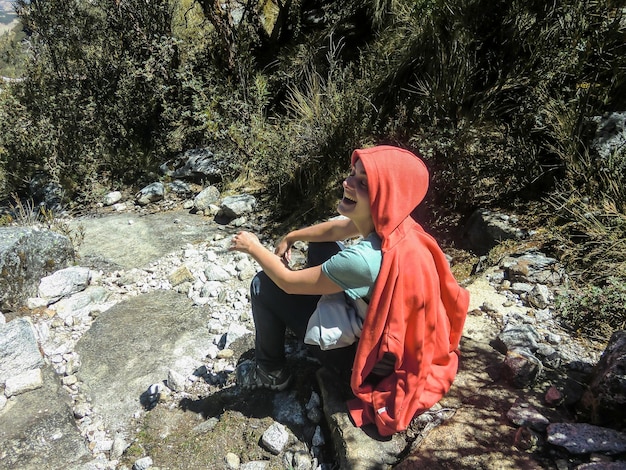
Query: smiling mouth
{"x": 348, "y": 200}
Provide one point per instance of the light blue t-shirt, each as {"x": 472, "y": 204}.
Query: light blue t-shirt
{"x": 356, "y": 268}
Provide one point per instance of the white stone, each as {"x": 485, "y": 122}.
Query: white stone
{"x": 275, "y": 438}
{"x": 112, "y": 198}
{"x": 232, "y": 461}
{"x": 22, "y": 383}
{"x": 175, "y": 381}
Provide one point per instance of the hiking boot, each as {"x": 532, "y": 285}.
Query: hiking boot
{"x": 251, "y": 376}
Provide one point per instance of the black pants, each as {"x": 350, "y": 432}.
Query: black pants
{"x": 274, "y": 311}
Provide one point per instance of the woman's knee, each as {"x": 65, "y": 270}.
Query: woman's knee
{"x": 318, "y": 252}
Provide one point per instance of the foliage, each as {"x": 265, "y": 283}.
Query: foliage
{"x": 498, "y": 96}
{"x": 595, "y": 311}
{"x": 12, "y": 53}
{"x": 90, "y": 105}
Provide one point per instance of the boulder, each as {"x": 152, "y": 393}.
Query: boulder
{"x": 152, "y": 193}
{"x": 236, "y": 206}
{"x": 485, "y": 229}
{"x": 205, "y": 198}
{"x": 196, "y": 165}
{"x": 19, "y": 352}
{"x": 28, "y": 254}
{"x": 143, "y": 337}
{"x": 38, "y": 430}
{"x": 605, "y": 398}
{"x": 610, "y": 134}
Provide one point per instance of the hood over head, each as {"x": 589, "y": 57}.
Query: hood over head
{"x": 397, "y": 181}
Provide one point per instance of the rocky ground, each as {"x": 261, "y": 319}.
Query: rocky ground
{"x": 148, "y": 369}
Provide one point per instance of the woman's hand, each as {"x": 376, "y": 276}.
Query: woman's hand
{"x": 283, "y": 249}
{"x": 244, "y": 242}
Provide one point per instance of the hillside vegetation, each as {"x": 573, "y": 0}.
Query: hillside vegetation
{"x": 499, "y": 96}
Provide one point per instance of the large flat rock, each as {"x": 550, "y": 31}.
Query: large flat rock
{"x": 133, "y": 345}
{"x": 129, "y": 240}
{"x": 38, "y": 431}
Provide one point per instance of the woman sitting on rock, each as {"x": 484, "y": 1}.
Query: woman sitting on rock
{"x": 388, "y": 306}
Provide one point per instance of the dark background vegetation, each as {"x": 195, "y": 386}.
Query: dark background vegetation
{"x": 498, "y": 96}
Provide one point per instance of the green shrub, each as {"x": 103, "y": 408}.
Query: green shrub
{"x": 595, "y": 311}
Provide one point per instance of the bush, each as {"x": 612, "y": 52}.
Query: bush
{"x": 595, "y": 311}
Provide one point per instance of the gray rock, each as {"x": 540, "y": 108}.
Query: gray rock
{"x": 254, "y": 465}
{"x": 152, "y": 193}
{"x": 520, "y": 368}
{"x": 237, "y": 206}
{"x": 27, "y": 255}
{"x": 19, "y": 351}
{"x": 215, "y": 272}
{"x": 143, "y": 463}
{"x": 143, "y": 337}
{"x": 81, "y": 302}
{"x": 112, "y": 198}
{"x": 232, "y": 461}
{"x": 583, "y": 438}
{"x": 523, "y": 414}
{"x": 206, "y": 198}
{"x": 610, "y": 136}
{"x": 38, "y": 431}
{"x": 195, "y": 164}
{"x": 275, "y": 438}
{"x": 355, "y": 447}
{"x": 539, "y": 296}
{"x": 485, "y": 229}
{"x": 175, "y": 381}
{"x": 601, "y": 465}
{"x": 517, "y": 336}
{"x": 604, "y": 401}
{"x": 179, "y": 187}
{"x": 46, "y": 193}
{"x": 64, "y": 282}
{"x": 24, "y": 382}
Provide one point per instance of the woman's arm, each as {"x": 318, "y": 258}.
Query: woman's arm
{"x": 309, "y": 281}
{"x": 330, "y": 231}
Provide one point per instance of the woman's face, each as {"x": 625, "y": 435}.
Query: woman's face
{"x": 356, "y": 202}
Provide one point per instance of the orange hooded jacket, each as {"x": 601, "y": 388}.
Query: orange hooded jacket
{"x": 417, "y": 309}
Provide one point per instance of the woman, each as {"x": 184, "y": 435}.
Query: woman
{"x": 407, "y": 355}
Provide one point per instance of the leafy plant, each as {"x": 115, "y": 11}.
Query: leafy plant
{"x": 595, "y": 311}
